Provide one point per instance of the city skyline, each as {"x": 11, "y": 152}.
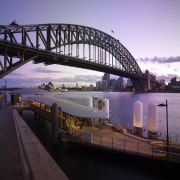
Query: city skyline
{"x": 148, "y": 29}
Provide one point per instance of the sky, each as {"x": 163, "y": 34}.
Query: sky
{"x": 149, "y": 29}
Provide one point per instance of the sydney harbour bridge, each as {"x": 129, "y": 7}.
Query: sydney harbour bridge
{"x": 69, "y": 45}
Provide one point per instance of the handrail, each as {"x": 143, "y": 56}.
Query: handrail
{"x": 129, "y": 146}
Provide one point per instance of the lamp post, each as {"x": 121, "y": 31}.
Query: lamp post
{"x": 5, "y": 89}
{"x": 167, "y": 135}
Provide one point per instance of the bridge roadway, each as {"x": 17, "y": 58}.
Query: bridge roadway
{"x": 21, "y": 154}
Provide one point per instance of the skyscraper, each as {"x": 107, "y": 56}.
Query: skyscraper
{"x": 148, "y": 83}
{"x": 105, "y": 81}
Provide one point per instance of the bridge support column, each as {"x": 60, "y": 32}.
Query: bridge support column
{"x": 55, "y": 125}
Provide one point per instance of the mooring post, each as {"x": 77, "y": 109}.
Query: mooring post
{"x": 55, "y": 125}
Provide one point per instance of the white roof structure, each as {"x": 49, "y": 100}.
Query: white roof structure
{"x": 71, "y": 107}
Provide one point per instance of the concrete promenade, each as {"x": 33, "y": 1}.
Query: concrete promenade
{"x": 22, "y": 156}
{"x": 10, "y": 163}
{"x": 109, "y": 137}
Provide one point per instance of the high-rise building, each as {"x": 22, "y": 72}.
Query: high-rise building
{"x": 91, "y": 88}
{"x": 98, "y": 85}
{"x": 113, "y": 84}
{"x": 153, "y": 81}
{"x": 148, "y": 83}
{"x": 162, "y": 83}
{"x": 129, "y": 82}
{"x": 120, "y": 85}
{"x": 173, "y": 81}
{"x": 105, "y": 81}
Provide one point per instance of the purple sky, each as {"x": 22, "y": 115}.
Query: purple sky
{"x": 147, "y": 28}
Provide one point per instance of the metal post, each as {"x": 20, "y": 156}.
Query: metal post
{"x": 61, "y": 126}
{"x": 55, "y": 125}
{"x": 167, "y": 136}
{"x": 5, "y": 89}
{"x": 167, "y": 130}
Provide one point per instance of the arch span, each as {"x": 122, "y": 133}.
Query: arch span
{"x": 66, "y": 44}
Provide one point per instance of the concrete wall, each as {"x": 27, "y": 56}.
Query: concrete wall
{"x": 40, "y": 165}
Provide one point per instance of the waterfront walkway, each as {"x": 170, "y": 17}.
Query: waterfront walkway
{"x": 110, "y": 137}
{"x": 22, "y": 156}
{"x": 10, "y": 163}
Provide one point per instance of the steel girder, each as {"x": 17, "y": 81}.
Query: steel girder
{"x": 65, "y": 44}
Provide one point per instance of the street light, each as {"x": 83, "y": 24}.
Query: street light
{"x": 167, "y": 135}
{"x": 5, "y": 90}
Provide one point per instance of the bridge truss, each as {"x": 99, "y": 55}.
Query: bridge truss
{"x": 66, "y": 44}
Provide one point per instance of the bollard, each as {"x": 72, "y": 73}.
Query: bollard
{"x": 152, "y": 121}
{"x": 138, "y": 117}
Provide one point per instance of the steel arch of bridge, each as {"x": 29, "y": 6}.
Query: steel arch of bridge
{"x": 66, "y": 44}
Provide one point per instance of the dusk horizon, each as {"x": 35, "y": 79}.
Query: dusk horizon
{"x": 21, "y": 78}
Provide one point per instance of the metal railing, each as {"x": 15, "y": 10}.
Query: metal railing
{"x": 140, "y": 148}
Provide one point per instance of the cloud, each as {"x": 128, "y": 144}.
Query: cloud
{"x": 173, "y": 59}
{"x": 34, "y": 82}
{"x": 16, "y": 74}
{"x": 45, "y": 70}
{"x": 168, "y": 77}
{"x": 162, "y": 68}
{"x": 159, "y": 59}
{"x": 79, "y": 78}
{"x": 87, "y": 78}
